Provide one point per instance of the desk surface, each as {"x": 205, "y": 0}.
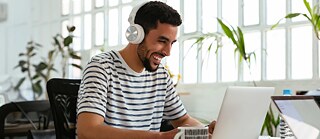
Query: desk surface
{"x": 268, "y": 137}
{"x": 20, "y": 129}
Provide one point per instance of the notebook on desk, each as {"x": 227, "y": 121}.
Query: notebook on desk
{"x": 242, "y": 112}
{"x": 301, "y": 113}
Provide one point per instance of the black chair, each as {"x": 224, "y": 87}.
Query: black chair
{"x": 63, "y": 101}
{"x": 17, "y": 118}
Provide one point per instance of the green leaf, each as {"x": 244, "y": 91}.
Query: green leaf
{"x": 37, "y": 88}
{"x": 22, "y": 54}
{"x": 16, "y": 67}
{"x": 50, "y": 54}
{"x": 200, "y": 39}
{"x": 226, "y": 30}
{"x": 67, "y": 41}
{"x": 35, "y": 77}
{"x": 266, "y": 125}
{"x": 29, "y": 50}
{"x": 275, "y": 25}
{"x": 30, "y": 42}
{"x": 22, "y": 63}
{"x": 41, "y": 66}
{"x": 292, "y": 15}
{"x": 305, "y": 15}
{"x": 33, "y": 54}
{"x": 317, "y": 21}
{"x": 77, "y": 66}
{"x": 42, "y": 75}
{"x": 241, "y": 44}
{"x": 57, "y": 43}
{"x": 19, "y": 83}
{"x": 307, "y": 5}
{"x": 74, "y": 56}
{"x": 37, "y": 44}
{"x": 23, "y": 69}
{"x": 54, "y": 69}
{"x": 277, "y": 121}
{"x": 71, "y": 29}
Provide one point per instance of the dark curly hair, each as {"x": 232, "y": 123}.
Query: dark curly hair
{"x": 150, "y": 13}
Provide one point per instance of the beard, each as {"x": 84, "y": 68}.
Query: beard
{"x": 142, "y": 52}
{"x": 147, "y": 65}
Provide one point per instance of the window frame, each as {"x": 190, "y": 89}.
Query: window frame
{"x": 262, "y": 27}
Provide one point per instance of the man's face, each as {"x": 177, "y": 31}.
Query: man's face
{"x": 156, "y": 45}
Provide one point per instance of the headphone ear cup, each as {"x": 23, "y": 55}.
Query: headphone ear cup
{"x": 135, "y": 34}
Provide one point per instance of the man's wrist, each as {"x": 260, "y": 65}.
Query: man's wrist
{"x": 159, "y": 135}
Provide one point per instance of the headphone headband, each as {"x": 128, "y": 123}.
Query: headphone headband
{"x": 134, "y": 11}
{"x": 135, "y": 33}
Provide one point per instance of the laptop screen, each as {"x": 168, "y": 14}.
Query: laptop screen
{"x": 300, "y": 112}
{"x": 242, "y": 112}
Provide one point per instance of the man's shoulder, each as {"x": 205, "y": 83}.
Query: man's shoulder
{"x": 105, "y": 57}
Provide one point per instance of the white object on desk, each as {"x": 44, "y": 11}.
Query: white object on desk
{"x": 268, "y": 137}
{"x": 301, "y": 129}
{"x": 192, "y": 132}
{"x": 2, "y": 100}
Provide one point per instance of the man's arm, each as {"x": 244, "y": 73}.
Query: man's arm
{"x": 91, "y": 126}
{"x": 186, "y": 120}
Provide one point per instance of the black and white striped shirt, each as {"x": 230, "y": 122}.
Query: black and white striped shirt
{"x": 125, "y": 98}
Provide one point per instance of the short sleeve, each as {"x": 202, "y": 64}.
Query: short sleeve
{"x": 92, "y": 95}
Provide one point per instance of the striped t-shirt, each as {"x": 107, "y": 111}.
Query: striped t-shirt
{"x": 125, "y": 98}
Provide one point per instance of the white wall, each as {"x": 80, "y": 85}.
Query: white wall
{"x": 36, "y": 20}
{"x": 3, "y": 48}
{"x": 27, "y": 20}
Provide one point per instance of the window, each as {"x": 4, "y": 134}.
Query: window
{"x": 254, "y": 72}
{"x": 190, "y": 61}
{"x": 276, "y": 55}
{"x": 89, "y": 19}
{"x": 190, "y": 16}
{"x": 281, "y": 54}
{"x": 251, "y": 12}
{"x": 301, "y": 52}
{"x": 99, "y": 29}
{"x": 113, "y": 26}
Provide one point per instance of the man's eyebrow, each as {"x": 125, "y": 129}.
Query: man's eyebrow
{"x": 167, "y": 39}
{"x": 164, "y": 38}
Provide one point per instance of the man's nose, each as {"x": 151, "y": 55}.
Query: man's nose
{"x": 167, "y": 49}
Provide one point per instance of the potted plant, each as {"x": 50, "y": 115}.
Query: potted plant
{"x": 37, "y": 73}
{"x": 236, "y": 36}
{"x": 237, "y": 39}
{"x": 313, "y": 17}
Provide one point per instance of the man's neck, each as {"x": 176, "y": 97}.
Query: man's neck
{"x": 130, "y": 56}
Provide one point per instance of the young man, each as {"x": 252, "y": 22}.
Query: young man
{"x": 126, "y": 94}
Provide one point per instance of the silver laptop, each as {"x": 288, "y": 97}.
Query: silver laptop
{"x": 301, "y": 113}
{"x": 242, "y": 112}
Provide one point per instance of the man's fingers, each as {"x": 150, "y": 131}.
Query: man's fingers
{"x": 211, "y": 126}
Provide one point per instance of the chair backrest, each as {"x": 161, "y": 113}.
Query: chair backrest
{"x": 63, "y": 95}
{"x": 39, "y": 107}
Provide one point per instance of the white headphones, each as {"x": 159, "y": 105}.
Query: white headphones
{"x": 135, "y": 33}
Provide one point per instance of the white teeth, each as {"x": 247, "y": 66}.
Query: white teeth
{"x": 157, "y": 58}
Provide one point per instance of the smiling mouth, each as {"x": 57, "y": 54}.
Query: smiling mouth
{"x": 157, "y": 57}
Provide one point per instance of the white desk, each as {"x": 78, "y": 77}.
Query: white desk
{"x": 268, "y": 137}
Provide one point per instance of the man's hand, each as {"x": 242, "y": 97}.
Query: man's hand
{"x": 168, "y": 134}
{"x": 211, "y": 127}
